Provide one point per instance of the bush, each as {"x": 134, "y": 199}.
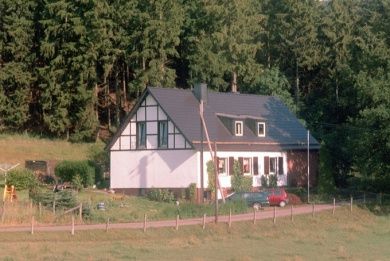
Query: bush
{"x": 21, "y": 179}
{"x": 211, "y": 176}
{"x": 67, "y": 170}
{"x": 273, "y": 181}
{"x": 191, "y": 192}
{"x": 240, "y": 183}
{"x": 160, "y": 195}
{"x": 264, "y": 181}
{"x": 77, "y": 182}
{"x": 64, "y": 199}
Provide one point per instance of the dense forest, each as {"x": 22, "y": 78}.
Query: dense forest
{"x": 72, "y": 69}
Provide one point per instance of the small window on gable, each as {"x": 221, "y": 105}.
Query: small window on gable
{"x": 238, "y": 128}
{"x": 261, "y": 129}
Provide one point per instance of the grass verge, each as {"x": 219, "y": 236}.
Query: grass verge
{"x": 357, "y": 236}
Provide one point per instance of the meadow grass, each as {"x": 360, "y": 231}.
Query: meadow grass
{"x": 19, "y": 148}
{"x": 345, "y": 236}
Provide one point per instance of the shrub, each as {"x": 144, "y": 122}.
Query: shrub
{"x": 77, "y": 182}
{"x": 211, "y": 176}
{"x": 67, "y": 170}
{"x": 63, "y": 199}
{"x": 160, "y": 195}
{"x": 273, "y": 181}
{"x": 191, "y": 192}
{"x": 264, "y": 181}
{"x": 240, "y": 183}
{"x": 22, "y": 179}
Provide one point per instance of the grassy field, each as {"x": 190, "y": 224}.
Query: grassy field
{"x": 357, "y": 236}
{"x": 118, "y": 208}
{"x": 18, "y": 148}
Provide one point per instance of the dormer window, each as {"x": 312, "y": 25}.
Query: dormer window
{"x": 238, "y": 127}
{"x": 261, "y": 129}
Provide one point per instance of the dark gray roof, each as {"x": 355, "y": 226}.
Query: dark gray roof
{"x": 282, "y": 127}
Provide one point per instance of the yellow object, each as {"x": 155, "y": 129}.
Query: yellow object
{"x": 9, "y": 193}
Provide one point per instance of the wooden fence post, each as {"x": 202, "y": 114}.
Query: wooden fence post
{"x": 204, "y": 221}
{"x": 292, "y": 217}
{"x": 312, "y": 210}
{"x": 40, "y": 209}
{"x": 3, "y": 213}
{"x": 72, "y": 232}
{"x": 54, "y": 206}
{"x": 107, "y": 223}
{"x": 274, "y": 215}
{"x": 177, "y": 222}
{"x": 254, "y": 216}
{"x": 230, "y": 218}
{"x": 145, "y": 223}
{"x": 351, "y": 203}
{"x": 32, "y": 225}
{"x": 334, "y": 206}
{"x": 81, "y": 212}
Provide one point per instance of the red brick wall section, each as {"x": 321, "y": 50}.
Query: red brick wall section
{"x": 297, "y": 168}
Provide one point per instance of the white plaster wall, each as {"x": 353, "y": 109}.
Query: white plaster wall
{"x": 225, "y": 179}
{"x": 159, "y": 169}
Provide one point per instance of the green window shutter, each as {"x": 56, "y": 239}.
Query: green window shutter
{"x": 241, "y": 161}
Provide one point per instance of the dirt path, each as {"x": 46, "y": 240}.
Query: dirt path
{"x": 264, "y": 214}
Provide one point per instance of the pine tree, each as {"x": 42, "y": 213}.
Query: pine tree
{"x": 226, "y": 44}
{"x": 68, "y": 77}
{"x": 16, "y": 60}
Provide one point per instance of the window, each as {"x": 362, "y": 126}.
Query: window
{"x": 238, "y": 128}
{"x": 141, "y": 134}
{"x": 261, "y": 129}
{"x": 163, "y": 134}
{"x": 222, "y": 166}
{"x": 273, "y": 165}
{"x": 246, "y": 166}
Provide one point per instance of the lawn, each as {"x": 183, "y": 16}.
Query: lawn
{"x": 357, "y": 236}
{"x": 19, "y": 148}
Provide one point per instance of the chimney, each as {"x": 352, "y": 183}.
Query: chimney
{"x": 200, "y": 92}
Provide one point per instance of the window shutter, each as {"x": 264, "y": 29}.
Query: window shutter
{"x": 255, "y": 166}
{"x": 266, "y": 165}
{"x": 241, "y": 161}
{"x": 217, "y": 161}
{"x": 280, "y": 165}
{"x": 231, "y": 162}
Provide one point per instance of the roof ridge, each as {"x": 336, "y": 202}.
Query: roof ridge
{"x": 213, "y": 92}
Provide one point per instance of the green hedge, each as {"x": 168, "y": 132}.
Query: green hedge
{"x": 67, "y": 170}
{"x": 21, "y": 179}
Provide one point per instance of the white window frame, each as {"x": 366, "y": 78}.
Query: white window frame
{"x": 236, "y": 129}
{"x": 226, "y": 170}
{"x": 275, "y": 166}
{"x": 250, "y": 166}
{"x": 258, "y": 129}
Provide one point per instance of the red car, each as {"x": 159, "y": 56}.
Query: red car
{"x": 277, "y": 197}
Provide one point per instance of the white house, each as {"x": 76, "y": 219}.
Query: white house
{"x": 159, "y": 143}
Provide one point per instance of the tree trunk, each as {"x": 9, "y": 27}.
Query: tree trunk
{"x": 296, "y": 83}
{"x": 234, "y": 82}
{"x": 117, "y": 101}
{"x": 96, "y": 106}
{"x": 124, "y": 86}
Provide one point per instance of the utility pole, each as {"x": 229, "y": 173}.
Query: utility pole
{"x": 201, "y": 155}
{"x": 308, "y": 166}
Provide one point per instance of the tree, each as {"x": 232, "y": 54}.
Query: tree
{"x": 224, "y": 51}
{"x": 68, "y": 77}
{"x": 16, "y": 61}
